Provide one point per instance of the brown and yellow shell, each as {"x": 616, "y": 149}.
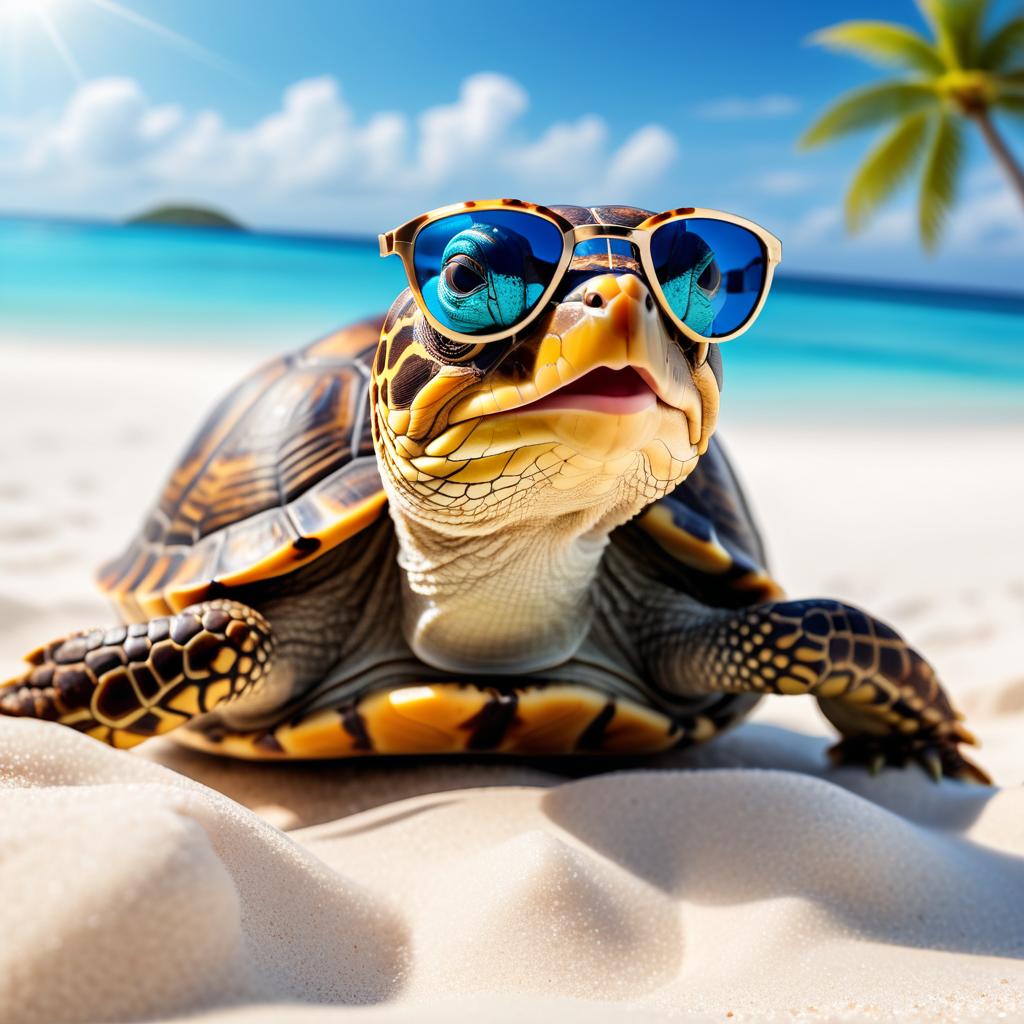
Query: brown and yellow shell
{"x": 282, "y": 471}
{"x": 708, "y": 530}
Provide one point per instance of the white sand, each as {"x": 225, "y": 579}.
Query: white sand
{"x": 500, "y": 892}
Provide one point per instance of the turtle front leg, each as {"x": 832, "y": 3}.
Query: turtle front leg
{"x": 125, "y": 684}
{"x": 876, "y": 690}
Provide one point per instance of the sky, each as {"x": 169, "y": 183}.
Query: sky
{"x": 349, "y": 117}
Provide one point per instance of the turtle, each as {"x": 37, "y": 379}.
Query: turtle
{"x": 393, "y": 543}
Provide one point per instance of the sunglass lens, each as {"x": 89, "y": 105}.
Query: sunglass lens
{"x": 711, "y": 271}
{"x": 483, "y": 272}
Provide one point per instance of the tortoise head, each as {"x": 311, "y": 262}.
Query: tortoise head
{"x": 598, "y": 408}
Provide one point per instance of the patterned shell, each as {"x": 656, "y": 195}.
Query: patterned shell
{"x": 706, "y": 526}
{"x": 282, "y": 470}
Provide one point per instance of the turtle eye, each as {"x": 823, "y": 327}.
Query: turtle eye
{"x": 484, "y": 271}
{"x": 710, "y": 279}
{"x": 463, "y": 275}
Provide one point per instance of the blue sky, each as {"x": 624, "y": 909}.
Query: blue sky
{"x": 352, "y": 116}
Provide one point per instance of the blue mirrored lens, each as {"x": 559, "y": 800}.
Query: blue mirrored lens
{"x": 602, "y": 247}
{"x": 712, "y": 273}
{"x": 484, "y": 271}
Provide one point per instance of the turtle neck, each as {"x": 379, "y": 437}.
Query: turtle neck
{"x": 512, "y": 600}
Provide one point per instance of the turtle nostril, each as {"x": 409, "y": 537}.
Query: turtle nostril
{"x": 649, "y": 303}
{"x": 593, "y": 299}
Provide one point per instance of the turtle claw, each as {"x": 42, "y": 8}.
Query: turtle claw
{"x": 964, "y": 735}
{"x": 968, "y": 771}
{"x": 930, "y": 761}
{"x": 937, "y": 756}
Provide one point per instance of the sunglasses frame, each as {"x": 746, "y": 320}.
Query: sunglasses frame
{"x": 402, "y": 242}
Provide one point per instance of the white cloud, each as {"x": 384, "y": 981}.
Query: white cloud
{"x": 784, "y": 182}
{"x": 991, "y": 220}
{"x": 642, "y": 159}
{"x": 455, "y": 136}
{"x": 307, "y": 142}
{"x": 893, "y": 226}
{"x": 736, "y": 108}
{"x": 563, "y": 154}
{"x": 816, "y": 226}
{"x": 983, "y": 176}
{"x": 575, "y": 155}
{"x": 312, "y": 143}
{"x": 985, "y": 224}
{"x": 111, "y": 141}
{"x": 203, "y": 152}
{"x": 101, "y": 125}
{"x": 159, "y": 122}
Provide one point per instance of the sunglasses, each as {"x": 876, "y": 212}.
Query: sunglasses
{"x": 483, "y": 271}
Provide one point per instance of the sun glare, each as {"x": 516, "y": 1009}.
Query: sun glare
{"x": 17, "y": 9}
{"x": 19, "y": 14}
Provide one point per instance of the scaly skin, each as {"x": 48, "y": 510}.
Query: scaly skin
{"x": 877, "y": 690}
{"x": 125, "y": 684}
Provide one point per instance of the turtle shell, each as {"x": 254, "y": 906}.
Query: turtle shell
{"x": 706, "y": 527}
{"x": 282, "y": 471}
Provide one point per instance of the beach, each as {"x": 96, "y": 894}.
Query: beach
{"x": 831, "y": 205}
{"x": 746, "y": 880}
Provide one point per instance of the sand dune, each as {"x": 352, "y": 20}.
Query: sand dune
{"x": 746, "y": 878}
{"x": 663, "y": 892}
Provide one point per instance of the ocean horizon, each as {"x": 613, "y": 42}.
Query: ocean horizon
{"x": 845, "y": 345}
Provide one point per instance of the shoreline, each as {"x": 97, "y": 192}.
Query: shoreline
{"x": 828, "y": 404}
{"x": 896, "y": 291}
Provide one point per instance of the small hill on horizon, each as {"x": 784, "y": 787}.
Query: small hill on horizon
{"x": 184, "y": 215}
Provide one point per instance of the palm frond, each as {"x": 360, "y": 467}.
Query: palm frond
{"x": 1003, "y": 47}
{"x": 958, "y": 28}
{"x": 1011, "y": 103}
{"x": 1014, "y": 77}
{"x": 867, "y": 107}
{"x": 882, "y": 42}
{"x": 940, "y": 178}
{"x": 886, "y": 168}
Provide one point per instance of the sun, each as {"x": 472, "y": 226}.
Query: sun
{"x": 17, "y": 14}
{"x": 18, "y": 9}
{"x": 43, "y": 14}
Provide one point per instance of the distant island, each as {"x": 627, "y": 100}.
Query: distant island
{"x": 187, "y": 216}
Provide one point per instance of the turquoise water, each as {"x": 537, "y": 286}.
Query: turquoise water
{"x": 845, "y": 349}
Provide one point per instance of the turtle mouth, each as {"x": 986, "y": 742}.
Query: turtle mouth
{"x": 601, "y": 390}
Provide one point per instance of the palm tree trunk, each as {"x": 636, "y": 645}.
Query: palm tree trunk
{"x": 1003, "y": 156}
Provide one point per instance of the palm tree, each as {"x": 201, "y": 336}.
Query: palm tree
{"x": 960, "y": 75}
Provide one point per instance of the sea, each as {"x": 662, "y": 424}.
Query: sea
{"x": 859, "y": 351}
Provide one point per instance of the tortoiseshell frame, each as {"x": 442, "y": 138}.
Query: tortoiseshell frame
{"x": 402, "y": 241}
